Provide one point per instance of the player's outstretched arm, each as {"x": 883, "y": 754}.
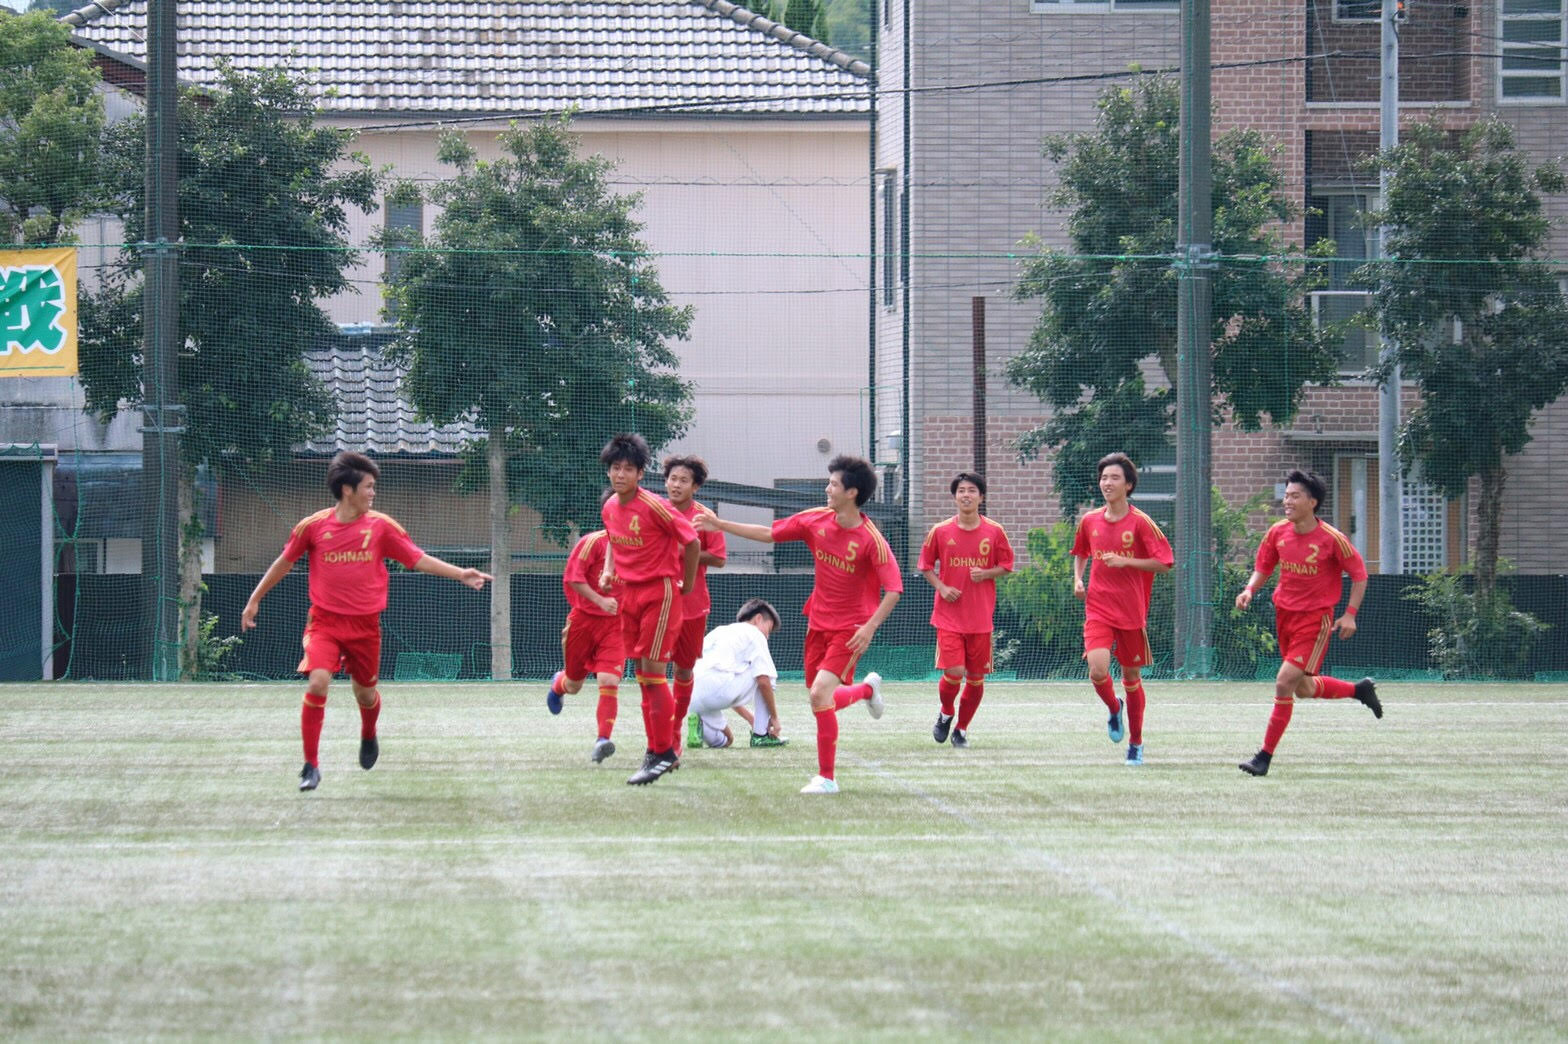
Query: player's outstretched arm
{"x": 276, "y": 571}
{"x": 469, "y": 577}
{"x": 708, "y": 521}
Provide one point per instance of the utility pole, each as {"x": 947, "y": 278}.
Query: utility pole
{"x": 1390, "y": 551}
{"x": 160, "y": 340}
{"x": 1195, "y": 289}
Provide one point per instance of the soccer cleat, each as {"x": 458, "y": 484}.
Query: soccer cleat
{"x": 939, "y": 731}
{"x": 1366, "y": 692}
{"x": 820, "y": 785}
{"x": 553, "y": 700}
{"x": 1259, "y": 765}
{"x": 653, "y": 766}
{"x": 1114, "y": 725}
{"x": 876, "y": 705}
{"x": 693, "y": 732}
{"x": 768, "y": 741}
{"x": 602, "y": 748}
{"x": 309, "y": 777}
{"x": 369, "y": 751}
{"x": 1135, "y": 753}
{"x": 960, "y": 739}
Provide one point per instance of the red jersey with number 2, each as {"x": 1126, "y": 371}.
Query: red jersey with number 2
{"x": 1120, "y": 597}
{"x": 853, "y": 567}
{"x": 348, "y": 569}
{"x": 1310, "y": 565}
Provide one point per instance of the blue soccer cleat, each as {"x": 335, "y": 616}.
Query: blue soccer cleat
{"x": 553, "y": 700}
{"x": 1114, "y": 726}
{"x": 1135, "y": 754}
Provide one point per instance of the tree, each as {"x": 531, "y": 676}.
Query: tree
{"x": 56, "y": 7}
{"x": 1479, "y": 323}
{"x": 534, "y": 309}
{"x": 1110, "y": 304}
{"x": 51, "y": 124}
{"x": 262, "y": 203}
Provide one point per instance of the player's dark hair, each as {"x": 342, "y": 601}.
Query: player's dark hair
{"x": 1120, "y": 460}
{"x": 967, "y": 476}
{"x": 1315, "y": 487}
{"x": 349, "y": 469}
{"x": 696, "y": 465}
{"x": 857, "y": 474}
{"x": 758, "y": 607}
{"x": 627, "y": 446}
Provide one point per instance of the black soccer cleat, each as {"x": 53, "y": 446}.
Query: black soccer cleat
{"x": 960, "y": 738}
{"x": 309, "y": 777}
{"x": 653, "y": 766}
{"x": 369, "y": 751}
{"x": 939, "y": 731}
{"x": 1366, "y": 692}
{"x": 602, "y": 748}
{"x": 1259, "y": 765}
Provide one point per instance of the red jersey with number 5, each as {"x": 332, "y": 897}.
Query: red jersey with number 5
{"x": 348, "y": 569}
{"x": 853, "y": 567}
{"x": 1310, "y": 565}
{"x": 952, "y": 551}
{"x": 1120, "y": 596}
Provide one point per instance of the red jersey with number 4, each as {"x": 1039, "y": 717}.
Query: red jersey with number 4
{"x": 853, "y": 567}
{"x": 1310, "y": 565}
{"x": 348, "y": 569}
{"x": 1120, "y": 596}
{"x": 952, "y": 551}
{"x": 695, "y": 603}
{"x": 586, "y": 565}
{"x": 647, "y": 537}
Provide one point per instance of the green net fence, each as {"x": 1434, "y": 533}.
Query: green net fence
{"x": 931, "y": 279}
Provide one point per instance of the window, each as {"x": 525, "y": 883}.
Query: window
{"x": 1354, "y": 242}
{"x": 1358, "y": 10}
{"x": 1430, "y": 528}
{"x": 888, "y": 187}
{"x": 1102, "y": 6}
{"x": 410, "y": 216}
{"x": 1532, "y": 49}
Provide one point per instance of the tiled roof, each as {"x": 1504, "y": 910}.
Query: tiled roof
{"x": 506, "y": 57}
{"x": 373, "y": 416}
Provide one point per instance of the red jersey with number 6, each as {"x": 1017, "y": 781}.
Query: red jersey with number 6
{"x": 348, "y": 569}
{"x": 953, "y": 551}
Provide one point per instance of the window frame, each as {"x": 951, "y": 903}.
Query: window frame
{"x": 1504, "y": 19}
{"x": 1122, "y": 7}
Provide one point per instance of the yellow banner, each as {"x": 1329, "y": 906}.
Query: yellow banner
{"x": 38, "y": 313}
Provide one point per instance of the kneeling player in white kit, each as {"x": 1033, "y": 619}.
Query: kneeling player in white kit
{"x": 736, "y": 672}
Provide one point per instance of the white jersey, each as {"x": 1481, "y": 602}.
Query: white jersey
{"x": 736, "y": 650}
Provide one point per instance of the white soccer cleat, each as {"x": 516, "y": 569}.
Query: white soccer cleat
{"x": 820, "y": 785}
{"x": 876, "y": 704}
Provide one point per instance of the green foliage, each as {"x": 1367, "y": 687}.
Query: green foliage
{"x": 210, "y": 651}
{"x": 1467, "y": 225}
{"x": 535, "y": 308}
{"x": 58, "y": 7}
{"x": 51, "y": 123}
{"x": 255, "y": 171}
{"x": 1110, "y": 303}
{"x": 1040, "y": 596}
{"x": 1475, "y": 634}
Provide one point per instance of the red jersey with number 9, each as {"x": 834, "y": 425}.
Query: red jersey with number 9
{"x": 1120, "y": 597}
{"x": 348, "y": 569}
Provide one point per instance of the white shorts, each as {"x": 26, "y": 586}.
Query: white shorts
{"x": 713, "y": 693}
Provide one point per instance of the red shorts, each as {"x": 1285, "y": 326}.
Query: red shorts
{"x": 972, "y": 652}
{"x": 688, "y": 644}
{"x": 1131, "y": 645}
{"x": 591, "y": 644}
{"x": 1303, "y": 636}
{"x": 651, "y": 619}
{"x": 829, "y": 651}
{"x": 335, "y": 643}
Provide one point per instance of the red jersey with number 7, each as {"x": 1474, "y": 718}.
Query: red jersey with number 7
{"x": 1310, "y": 565}
{"x": 348, "y": 569}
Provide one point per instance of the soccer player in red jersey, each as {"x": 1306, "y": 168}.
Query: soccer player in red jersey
{"x": 654, "y": 551}
{"x": 1128, "y": 549}
{"x": 854, "y": 566}
{"x": 348, "y": 546}
{"x": 1311, "y": 555}
{"x": 591, "y": 641}
{"x": 683, "y": 477}
{"x": 961, "y": 559}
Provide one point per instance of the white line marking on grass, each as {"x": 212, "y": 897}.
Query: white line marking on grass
{"x": 1143, "y": 915}
{"x": 490, "y": 842}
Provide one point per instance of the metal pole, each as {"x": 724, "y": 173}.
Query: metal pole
{"x": 160, "y": 333}
{"x": 978, "y": 392}
{"x": 1195, "y": 266}
{"x": 1390, "y": 549}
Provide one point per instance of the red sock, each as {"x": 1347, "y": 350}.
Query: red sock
{"x": 608, "y": 705}
{"x": 827, "y": 741}
{"x": 682, "y": 703}
{"x": 658, "y": 713}
{"x": 367, "y": 718}
{"x": 311, "y": 715}
{"x": 558, "y": 683}
{"x": 647, "y": 706}
{"x": 1107, "y": 693}
{"x": 974, "y": 692}
{"x": 947, "y": 692}
{"x": 1135, "y": 702}
{"x": 1277, "y": 722}
{"x": 844, "y": 695}
{"x": 1334, "y": 688}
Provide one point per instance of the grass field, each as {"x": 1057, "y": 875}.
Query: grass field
{"x": 1402, "y": 879}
